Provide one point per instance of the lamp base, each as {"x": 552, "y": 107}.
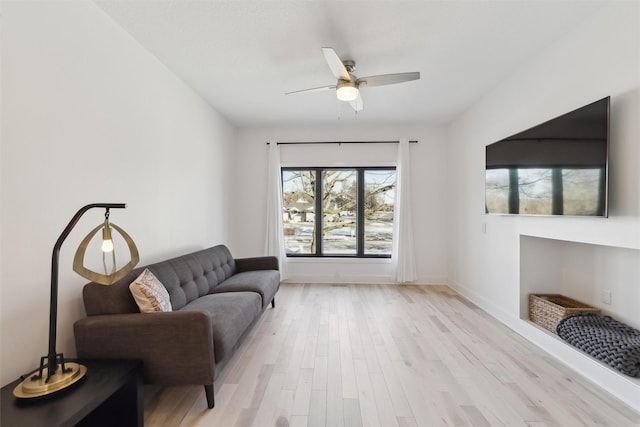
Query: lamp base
{"x": 38, "y": 386}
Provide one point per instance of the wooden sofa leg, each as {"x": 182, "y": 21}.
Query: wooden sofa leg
{"x": 273, "y": 302}
{"x": 208, "y": 390}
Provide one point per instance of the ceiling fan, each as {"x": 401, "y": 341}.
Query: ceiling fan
{"x": 348, "y": 85}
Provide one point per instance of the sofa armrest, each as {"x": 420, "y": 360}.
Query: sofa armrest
{"x": 256, "y": 263}
{"x": 175, "y": 347}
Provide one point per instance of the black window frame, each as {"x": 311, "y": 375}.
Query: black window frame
{"x": 360, "y": 219}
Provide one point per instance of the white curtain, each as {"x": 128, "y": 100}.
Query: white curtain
{"x": 274, "y": 242}
{"x": 403, "y": 252}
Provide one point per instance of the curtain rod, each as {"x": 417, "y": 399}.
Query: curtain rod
{"x": 339, "y": 142}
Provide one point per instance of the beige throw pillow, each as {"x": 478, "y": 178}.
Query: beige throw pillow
{"x": 149, "y": 293}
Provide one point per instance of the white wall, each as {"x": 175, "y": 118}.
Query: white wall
{"x": 429, "y": 194}
{"x": 89, "y": 116}
{"x": 599, "y": 58}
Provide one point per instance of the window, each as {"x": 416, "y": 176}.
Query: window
{"x": 338, "y": 212}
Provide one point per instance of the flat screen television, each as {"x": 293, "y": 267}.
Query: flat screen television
{"x": 559, "y": 167}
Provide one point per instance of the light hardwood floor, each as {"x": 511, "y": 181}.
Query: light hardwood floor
{"x": 386, "y": 355}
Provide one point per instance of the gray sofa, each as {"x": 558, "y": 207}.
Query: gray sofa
{"x": 215, "y": 299}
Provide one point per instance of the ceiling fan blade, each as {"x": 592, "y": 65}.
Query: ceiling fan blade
{"x": 315, "y": 89}
{"x": 389, "y": 79}
{"x": 357, "y": 103}
{"x": 335, "y": 64}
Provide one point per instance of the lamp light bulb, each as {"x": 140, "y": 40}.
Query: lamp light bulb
{"x": 107, "y": 242}
{"x": 107, "y": 245}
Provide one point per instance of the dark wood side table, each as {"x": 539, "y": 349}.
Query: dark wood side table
{"x": 110, "y": 395}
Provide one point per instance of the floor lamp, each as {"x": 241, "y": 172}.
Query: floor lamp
{"x": 57, "y": 374}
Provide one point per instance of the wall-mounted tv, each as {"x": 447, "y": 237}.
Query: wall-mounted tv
{"x": 559, "y": 167}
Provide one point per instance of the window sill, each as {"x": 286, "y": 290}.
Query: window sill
{"x": 337, "y": 260}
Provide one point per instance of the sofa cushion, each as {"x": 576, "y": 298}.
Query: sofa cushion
{"x": 231, "y": 315}
{"x": 149, "y": 293}
{"x": 264, "y": 282}
{"x": 191, "y": 276}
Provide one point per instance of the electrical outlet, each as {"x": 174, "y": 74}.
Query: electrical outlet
{"x": 606, "y": 296}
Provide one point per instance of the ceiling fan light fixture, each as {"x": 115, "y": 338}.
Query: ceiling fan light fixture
{"x": 347, "y": 85}
{"x": 347, "y": 91}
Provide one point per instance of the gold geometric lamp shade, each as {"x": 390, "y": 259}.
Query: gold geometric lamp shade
{"x": 57, "y": 374}
{"x": 110, "y": 275}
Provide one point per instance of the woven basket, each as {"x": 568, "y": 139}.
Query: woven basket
{"x": 547, "y": 310}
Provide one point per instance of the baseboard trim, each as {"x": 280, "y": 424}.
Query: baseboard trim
{"x": 362, "y": 279}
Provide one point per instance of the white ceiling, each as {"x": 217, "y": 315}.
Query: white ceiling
{"x": 242, "y": 56}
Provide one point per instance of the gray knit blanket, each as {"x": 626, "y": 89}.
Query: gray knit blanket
{"x": 606, "y": 339}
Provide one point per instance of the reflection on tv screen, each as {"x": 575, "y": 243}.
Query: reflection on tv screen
{"x": 558, "y": 167}
{"x": 545, "y": 191}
